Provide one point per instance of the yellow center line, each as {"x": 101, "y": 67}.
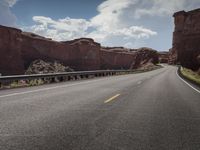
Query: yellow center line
{"x": 112, "y": 98}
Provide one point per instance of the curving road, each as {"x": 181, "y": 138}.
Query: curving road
{"x": 148, "y": 111}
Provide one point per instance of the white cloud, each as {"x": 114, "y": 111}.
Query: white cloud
{"x": 7, "y": 18}
{"x": 133, "y": 32}
{"x": 117, "y": 21}
{"x": 10, "y": 3}
{"x": 62, "y": 29}
{"x": 161, "y": 7}
{"x": 109, "y": 14}
{"x": 67, "y": 29}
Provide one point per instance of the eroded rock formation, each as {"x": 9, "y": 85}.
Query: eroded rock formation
{"x": 19, "y": 49}
{"x": 186, "y": 38}
{"x": 145, "y": 56}
{"x": 172, "y": 56}
{"x": 123, "y": 58}
{"x": 163, "y": 57}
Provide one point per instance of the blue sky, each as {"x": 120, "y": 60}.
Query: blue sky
{"x": 129, "y": 23}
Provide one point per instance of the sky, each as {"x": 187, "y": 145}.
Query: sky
{"x": 128, "y": 23}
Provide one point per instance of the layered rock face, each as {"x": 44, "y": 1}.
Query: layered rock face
{"x": 145, "y": 56}
{"x": 122, "y": 58}
{"x": 186, "y": 38}
{"x": 19, "y": 49}
{"x": 163, "y": 57}
{"x": 116, "y": 58}
{"x": 172, "y": 56}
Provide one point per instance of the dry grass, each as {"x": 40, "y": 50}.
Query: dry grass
{"x": 188, "y": 73}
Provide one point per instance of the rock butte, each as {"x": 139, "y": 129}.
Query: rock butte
{"x": 19, "y": 49}
{"x": 186, "y": 39}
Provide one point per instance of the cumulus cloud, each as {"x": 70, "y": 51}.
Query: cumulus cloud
{"x": 68, "y": 28}
{"x": 104, "y": 26}
{"x": 160, "y": 7}
{"x": 117, "y": 22}
{"x": 10, "y": 3}
{"x": 61, "y": 29}
{"x": 109, "y": 14}
{"x": 133, "y": 32}
{"x": 7, "y": 18}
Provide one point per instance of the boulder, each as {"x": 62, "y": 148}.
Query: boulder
{"x": 42, "y": 67}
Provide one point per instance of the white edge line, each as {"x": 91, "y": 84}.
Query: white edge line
{"x": 45, "y": 89}
{"x": 187, "y": 82}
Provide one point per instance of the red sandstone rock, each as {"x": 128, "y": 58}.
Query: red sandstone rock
{"x": 186, "y": 38}
{"x": 172, "y": 56}
{"x": 163, "y": 57}
{"x": 19, "y": 49}
{"x": 143, "y": 56}
{"x": 116, "y": 60}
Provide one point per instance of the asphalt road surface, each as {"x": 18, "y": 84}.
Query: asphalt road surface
{"x": 149, "y": 111}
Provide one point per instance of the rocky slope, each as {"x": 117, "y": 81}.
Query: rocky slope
{"x": 186, "y": 38}
{"x": 41, "y": 67}
{"x": 19, "y": 49}
{"x": 144, "y": 56}
{"x": 123, "y": 58}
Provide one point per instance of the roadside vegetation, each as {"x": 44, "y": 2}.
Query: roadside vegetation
{"x": 191, "y": 75}
{"x": 22, "y": 83}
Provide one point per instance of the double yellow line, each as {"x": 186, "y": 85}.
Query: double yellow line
{"x": 112, "y": 98}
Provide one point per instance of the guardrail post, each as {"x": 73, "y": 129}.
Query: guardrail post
{"x": 86, "y": 76}
{"x": 69, "y": 78}
{"x": 81, "y": 76}
{"x": 75, "y": 77}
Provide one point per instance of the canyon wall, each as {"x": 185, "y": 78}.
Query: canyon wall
{"x": 172, "y": 56}
{"x": 163, "y": 57}
{"x": 186, "y": 39}
{"x": 19, "y": 49}
{"x": 116, "y": 58}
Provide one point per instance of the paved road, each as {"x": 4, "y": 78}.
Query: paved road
{"x": 147, "y": 111}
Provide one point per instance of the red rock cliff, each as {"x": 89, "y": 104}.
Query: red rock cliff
{"x": 163, "y": 57}
{"x": 145, "y": 55}
{"x": 19, "y": 49}
{"x": 116, "y": 58}
{"x": 186, "y": 38}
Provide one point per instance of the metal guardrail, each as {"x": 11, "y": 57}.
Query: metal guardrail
{"x": 62, "y": 76}
{"x": 30, "y": 80}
